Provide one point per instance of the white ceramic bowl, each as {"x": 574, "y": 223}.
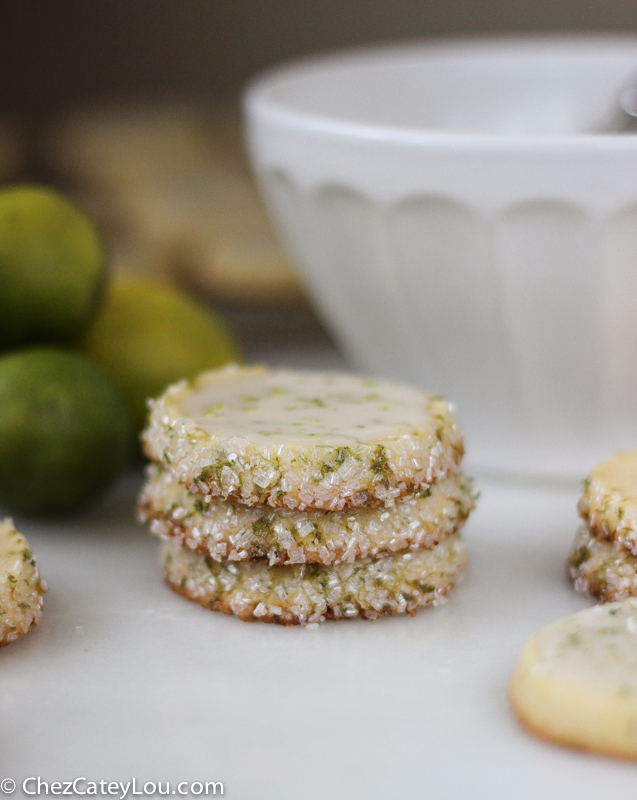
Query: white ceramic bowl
{"x": 459, "y": 226}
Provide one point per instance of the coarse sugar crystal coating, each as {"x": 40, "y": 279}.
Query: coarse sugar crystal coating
{"x": 309, "y": 593}
{"x": 302, "y": 439}
{"x": 576, "y": 680}
{"x": 601, "y": 569}
{"x": 609, "y": 501}
{"x": 237, "y": 532}
{"x": 21, "y": 588}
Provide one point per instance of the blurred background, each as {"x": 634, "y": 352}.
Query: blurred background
{"x": 133, "y": 107}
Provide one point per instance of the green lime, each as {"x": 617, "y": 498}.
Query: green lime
{"x": 147, "y": 335}
{"x": 65, "y": 433}
{"x": 52, "y": 266}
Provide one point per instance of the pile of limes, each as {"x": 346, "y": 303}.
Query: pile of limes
{"x": 79, "y": 354}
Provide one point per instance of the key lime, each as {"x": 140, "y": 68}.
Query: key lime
{"x": 65, "y": 433}
{"x": 52, "y": 266}
{"x": 148, "y": 334}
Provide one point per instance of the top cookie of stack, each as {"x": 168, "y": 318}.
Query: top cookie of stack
{"x": 298, "y": 496}
{"x": 302, "y": 439}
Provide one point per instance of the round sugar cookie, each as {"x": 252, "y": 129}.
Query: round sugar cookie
{"x": 601, "y": 569}
{"x": 237, "y": 532}
{"x": 576, "y": 680}
{"x": 21, "y": 588}
{"x": 302, "y": 439}
{"x": 309, "y": 593}
{"x": 609, "y": 501}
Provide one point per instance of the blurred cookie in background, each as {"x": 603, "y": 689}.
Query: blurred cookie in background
{"x": 172, "y": 186}
{"x": 111, "y": 148}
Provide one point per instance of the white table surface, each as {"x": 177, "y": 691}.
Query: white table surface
{"x": 125, "y": 679}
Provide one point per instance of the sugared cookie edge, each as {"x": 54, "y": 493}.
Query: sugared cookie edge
{"x": 309, "y": 593}
{"x": 284, "y": 536}
{"x": 21, "y": 587}
{"x": 606, "y": 504}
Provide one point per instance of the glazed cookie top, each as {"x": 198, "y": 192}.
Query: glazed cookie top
{"x": 609, "y": 500}
{"x": 302, "y": 439}
{"x": 576, "y": 680}
{"x": 596, "y": 646}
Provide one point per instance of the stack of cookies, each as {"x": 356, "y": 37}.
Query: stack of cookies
{"x": 295, "y": 497}
{"x": 603, "y": 560}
